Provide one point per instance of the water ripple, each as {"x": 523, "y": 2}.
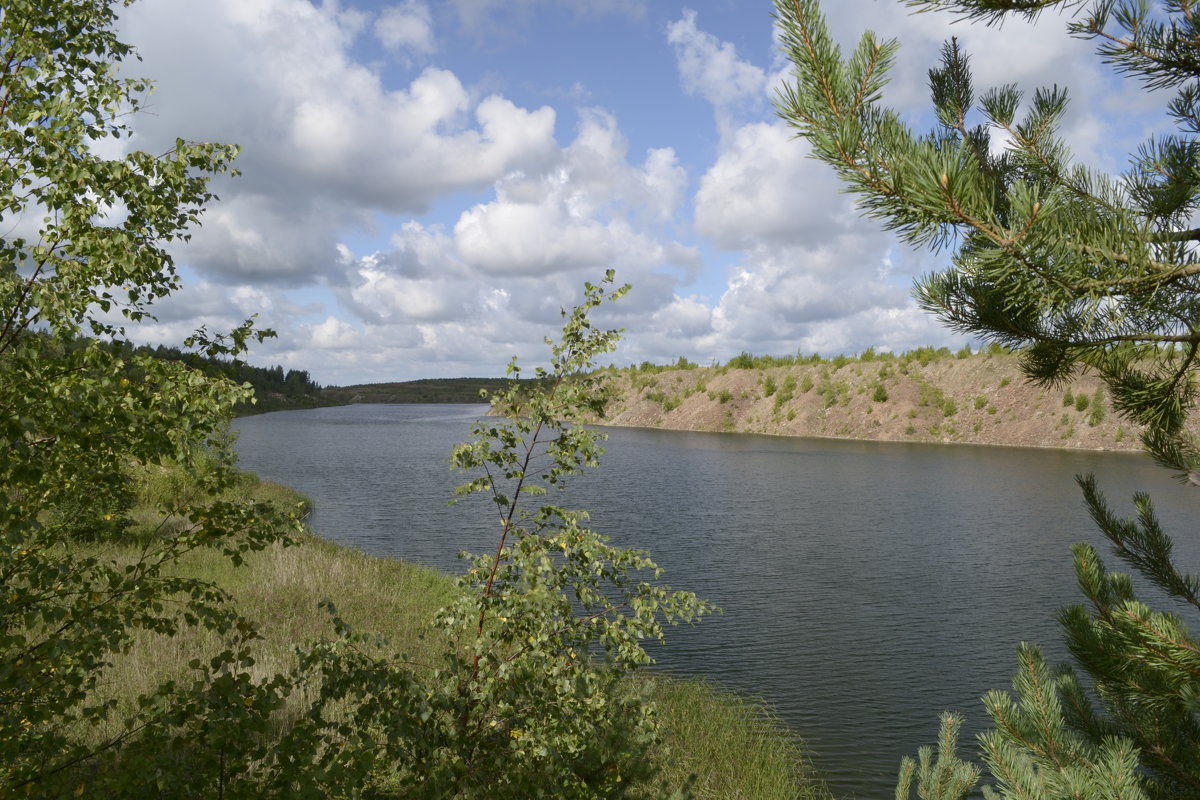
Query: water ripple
{"x": 866, "y": 586}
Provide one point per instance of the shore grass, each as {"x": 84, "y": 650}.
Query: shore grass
{"x": 733, "y": 745}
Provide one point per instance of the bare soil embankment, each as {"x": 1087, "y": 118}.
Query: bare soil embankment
{"x": 977, "y": 399}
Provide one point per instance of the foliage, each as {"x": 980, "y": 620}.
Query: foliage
{"x": 1076, "y": 267}
{"x": 741, "y": 361}
{"x": 788, "y": 391}
{"x": 1097, "y": 412}
{"x": 273, "y": 387}
{"x": 425, "y": 390}
{"x": 85, "y": 253}
{"x": 527, "y": 700}
{"x": 529, "y": 697}
{"x": 733, "y": 746}
{"x": 1079, "y": 269}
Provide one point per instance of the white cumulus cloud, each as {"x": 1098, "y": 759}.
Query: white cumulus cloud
{"x": 406, "y": 28}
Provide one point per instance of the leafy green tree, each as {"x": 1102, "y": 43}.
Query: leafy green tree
{"x": 83, "y": 254}
{"x": 1079, "y": 269}
{"x": 532, "y": 696}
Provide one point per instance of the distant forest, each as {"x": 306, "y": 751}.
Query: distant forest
{"x": 429, "y": 390}
{"x": 274, "y": 388}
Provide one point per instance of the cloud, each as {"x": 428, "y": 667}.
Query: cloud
{"x": 325, "y": 144}
{"x": 492, "y": 19}
{"x": 391, "y": 296}
{"x": 333, "y": 334}
{"x": 763, "y": 187}
{"x": 582, "y": 214}
{"x": 406, "y": 29}
{"x": 396, "y": 219}
{"x": 711, "y": 68}
{"x": 836, "y": 298}
{"x": 684, "y": 318}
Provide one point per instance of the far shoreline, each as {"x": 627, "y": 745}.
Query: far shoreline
{"x": 1133, "y": 451}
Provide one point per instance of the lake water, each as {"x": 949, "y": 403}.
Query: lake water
{"x": 866, "y": 586}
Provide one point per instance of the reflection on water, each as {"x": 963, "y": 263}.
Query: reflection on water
{"x": 865, "y": 586}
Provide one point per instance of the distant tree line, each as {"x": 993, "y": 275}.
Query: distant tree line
{"x": 274, "y": 387}
{"x": 746, "y": 360}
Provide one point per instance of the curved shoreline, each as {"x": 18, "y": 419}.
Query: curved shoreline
{"x": 1133, "y": 451}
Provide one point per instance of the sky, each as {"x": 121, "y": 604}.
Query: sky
{"x": 425, "y": 184}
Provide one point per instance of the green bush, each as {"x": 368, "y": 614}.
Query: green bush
{"x": 880, "y": 394}
{"x": 786, "y": 394}
{"x": 929, "y": 395}
{"x": 1081, "y": 402}
{"x": 741, "y": 361}
{"x": 834, "y": 392}
{"x": 1096, "y": 415}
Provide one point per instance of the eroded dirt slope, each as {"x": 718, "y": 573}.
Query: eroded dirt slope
{"x": 979, "y": 399}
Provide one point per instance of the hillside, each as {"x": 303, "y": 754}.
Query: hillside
{"x": 922, "y": 396}
{"x": 428, "y": 390}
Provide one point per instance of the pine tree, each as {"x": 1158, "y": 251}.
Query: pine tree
{"x": 1079, "y": 270}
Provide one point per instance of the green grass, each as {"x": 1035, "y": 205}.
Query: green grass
{"x": 734, "y": 746}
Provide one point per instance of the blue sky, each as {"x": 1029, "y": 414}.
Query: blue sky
{"x": 426, "y": 182}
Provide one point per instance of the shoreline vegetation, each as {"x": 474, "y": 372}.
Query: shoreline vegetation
{"x": 734, "y": 744}
{"x": 929, "y": 395}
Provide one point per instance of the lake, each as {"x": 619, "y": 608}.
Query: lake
{"x": 866, "y": 586}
